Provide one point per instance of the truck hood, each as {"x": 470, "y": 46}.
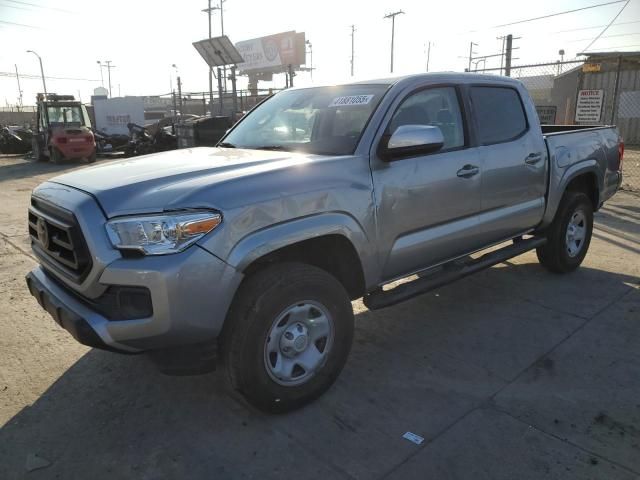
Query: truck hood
{"x": 177, "y": 179}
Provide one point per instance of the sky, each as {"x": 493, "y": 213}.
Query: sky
{"x": 144, "y": 38}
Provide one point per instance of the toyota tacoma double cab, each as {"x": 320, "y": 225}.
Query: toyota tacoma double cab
{"x": 250, "y": 253}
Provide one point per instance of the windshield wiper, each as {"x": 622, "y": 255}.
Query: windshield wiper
{"x": 271, "y": 147}
{"x": 226, "y": 145}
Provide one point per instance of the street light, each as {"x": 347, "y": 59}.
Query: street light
{"x": 311, "y": 54}
{"x": 179, "y": 88}
{"x": 44, "y": 84}
{"x": 101, "y": 76}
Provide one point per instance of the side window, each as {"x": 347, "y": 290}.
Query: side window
{"x": 499, "y": 114}
{"x": 434, "y": 106}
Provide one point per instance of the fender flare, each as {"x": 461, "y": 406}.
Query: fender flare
{"x": 267, "y": 240}
{"x": 558, "y": 185}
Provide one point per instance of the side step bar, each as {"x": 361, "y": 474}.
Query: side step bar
{"x": 449, "y": 273}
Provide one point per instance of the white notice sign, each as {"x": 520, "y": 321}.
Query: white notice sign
{"x": 589, "y": 106}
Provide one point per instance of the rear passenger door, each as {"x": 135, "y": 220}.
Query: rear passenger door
{"x": 514, "y": 158}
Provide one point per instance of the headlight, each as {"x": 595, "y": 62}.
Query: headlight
{"x": 161, "y": 234}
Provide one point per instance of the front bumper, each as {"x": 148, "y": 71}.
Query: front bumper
{"x": 190, "y": 293}
{"x": 76, "y": 150}
{"x": 72, "y": 321}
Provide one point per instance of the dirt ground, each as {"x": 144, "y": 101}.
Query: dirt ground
{"x": 511, "y": 373}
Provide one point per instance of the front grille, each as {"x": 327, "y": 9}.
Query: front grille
{"x": 57, "y": 240}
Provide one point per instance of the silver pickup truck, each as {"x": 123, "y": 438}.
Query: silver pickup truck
{"x": 251, "y": 252}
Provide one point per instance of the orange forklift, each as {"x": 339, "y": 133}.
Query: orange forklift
{"x": 63, "y": 130}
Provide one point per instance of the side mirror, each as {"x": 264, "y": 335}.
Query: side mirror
{"x": 410, "y": 140}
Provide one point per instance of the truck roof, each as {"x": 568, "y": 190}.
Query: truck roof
{"x": 435, "y": 77}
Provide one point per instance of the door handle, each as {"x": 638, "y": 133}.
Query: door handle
{"x": 468, "y": 171}
{"x": 533, "y": 158}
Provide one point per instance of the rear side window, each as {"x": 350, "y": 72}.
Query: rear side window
{"x": 499, "y": 114}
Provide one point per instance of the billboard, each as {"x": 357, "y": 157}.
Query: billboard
{"x": 273, "y": 53}
{"x": 113, "y": 114}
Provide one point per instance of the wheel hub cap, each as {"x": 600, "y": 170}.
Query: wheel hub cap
{"x": 294, "y": 339}
{"x": 576, "y": 233}
{"x": 298, "y": 343}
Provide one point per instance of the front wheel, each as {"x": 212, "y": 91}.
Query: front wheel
{"x": 287, "y": 337}
{"x": 36, "y": 150}
{"x": 569, "y": 235}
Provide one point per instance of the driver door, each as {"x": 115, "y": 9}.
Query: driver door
{"x": 427, "y": 203}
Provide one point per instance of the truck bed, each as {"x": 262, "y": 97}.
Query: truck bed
{"x": 576, "y": 147}
{"x": 558, "y": 129}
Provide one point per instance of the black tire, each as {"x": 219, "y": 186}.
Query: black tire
{"x": 36, "y": 151}
{"x": 92, "y": 158}
{"x": 554, "y": 255}
{"x": 54, "y": 156}
{"x": 260, "y": 301}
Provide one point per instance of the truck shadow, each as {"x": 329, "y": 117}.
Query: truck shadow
{"x": 117, "y": 416}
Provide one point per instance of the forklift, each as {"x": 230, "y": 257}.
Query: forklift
{"x": 63, "y": 130}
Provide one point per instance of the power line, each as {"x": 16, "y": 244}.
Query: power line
{"x": 597, "y": 26}
{"x": 18, "y": 2}
{"x": 27, "y": 9}
{"x": 606, "y": 36}
{"x": 560, "y": 13}
{"x": 607, "y": 27}
{"x": 19, "y": 24}
{"x": 619, "y": 46}
{"x": 38, "y": 77}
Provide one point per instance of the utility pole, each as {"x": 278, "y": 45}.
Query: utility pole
{"x": 108, "y": 66}
{"x": 180, "y": 94}
{"x": 19, "y": 89}
{"x": 353, "y": 34}
{"x": 428, "y": 55}
{"x": 44, "y": 85}
{"x": 503, "y": 38}
{"x": 224, "y": 68}
{"x": 234, "y": 91}
{"x": 175, "y": 106}
{"x": 508, "y": 53}
{"x": 208, "y": 10}
{"x": 471, "y": 52}
{"x": 220, "y": 99}
{"x": 291, "y": 75}
{"x": 392, "y": 16}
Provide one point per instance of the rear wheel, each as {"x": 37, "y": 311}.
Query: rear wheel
{"x": 287, "y": 336}
{"x": 54, "y": 156}
{"x": 92, "y": 158}
{"x": 569, "y": 235}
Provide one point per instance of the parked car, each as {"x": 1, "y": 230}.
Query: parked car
{"x": 317, "y": 197}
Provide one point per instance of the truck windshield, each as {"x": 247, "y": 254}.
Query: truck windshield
{"x": 70, "y": 115}
{"x": 323, "y": 120}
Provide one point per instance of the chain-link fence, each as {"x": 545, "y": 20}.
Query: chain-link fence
{"x": 602, "y": 89}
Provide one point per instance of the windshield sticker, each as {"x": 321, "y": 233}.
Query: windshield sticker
{"x": 351, "y": 100}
